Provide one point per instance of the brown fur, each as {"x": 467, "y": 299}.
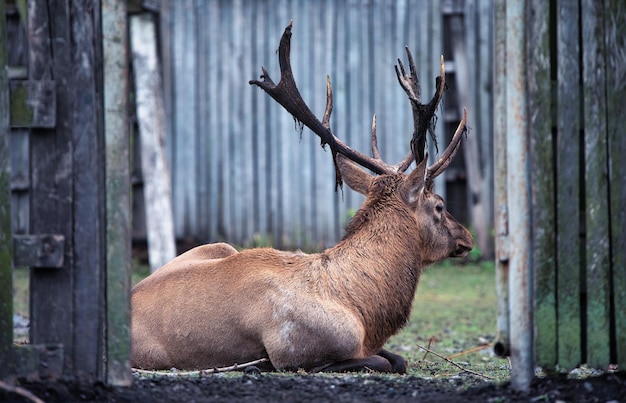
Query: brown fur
{"x": 331, "y": 310}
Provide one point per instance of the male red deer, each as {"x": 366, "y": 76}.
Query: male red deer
{"x": 328, "y": 311}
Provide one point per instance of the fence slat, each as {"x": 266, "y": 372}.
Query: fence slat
{"x": 615, "y": 34}
{"x": 117, "y": 171}
{"x": 568, "y": 186}
{"x": 540, "y": 127}
{"x": 6, "y": 269}
{"x": 151, "y": 118}
{"x": 596, "y": 186}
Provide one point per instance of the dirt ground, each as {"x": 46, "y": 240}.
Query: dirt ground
{"x": 243, "y": 387}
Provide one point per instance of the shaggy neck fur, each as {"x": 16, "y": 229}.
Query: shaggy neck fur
{"x": 376, "y": 267}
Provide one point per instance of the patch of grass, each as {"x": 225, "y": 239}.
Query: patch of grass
{"x": 454, "y": 311}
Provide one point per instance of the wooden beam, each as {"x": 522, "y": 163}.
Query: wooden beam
{"x": 6, "y": 268}
{"x": 615, "y": 34}
{"x": 540, "y": 104}
{"x": 596, "y": 185}
{"x": 117, "y": 171}
{"x": 151, "y": 117}
{"x": 568, "y": 192}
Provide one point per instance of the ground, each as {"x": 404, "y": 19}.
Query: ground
{"x": 242, "y": 387}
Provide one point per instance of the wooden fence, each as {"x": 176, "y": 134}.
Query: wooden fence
{"x": 62, "y": 66}
{"x": 560, "y": 199}
{"x": 241, "y": 170}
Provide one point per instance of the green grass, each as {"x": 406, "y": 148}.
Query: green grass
{"x": 454, "y": 311}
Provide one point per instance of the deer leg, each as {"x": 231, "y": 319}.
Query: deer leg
{"x": 371, "y": 363}
{"x": 398, "y": 364}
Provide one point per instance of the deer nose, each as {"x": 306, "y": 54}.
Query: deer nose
{"x": 463, "y": 245}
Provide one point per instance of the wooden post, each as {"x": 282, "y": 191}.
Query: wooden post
{"x": 117, "y": 171}
{"x": 615, "y": 32}
{"x": 597, "y": 254}
{"x": 6, "y": 268}
{"x": 542, "y": 182}
{"x": 519, "y": 198}
{"x": 151, "y": 117}
{"x": 569, "y": 267}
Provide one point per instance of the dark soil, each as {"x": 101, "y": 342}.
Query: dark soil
{"x": 336, "y": 388}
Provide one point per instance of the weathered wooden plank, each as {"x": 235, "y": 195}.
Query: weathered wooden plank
{"x": 615, "y": 39}
{"x": 52, "y": 179}
{"x": 483, "y": 103}
{"x": 41, "y": 250}
{"x": 202, "y": 123}
{"x": 214, "y": 159}
{"x": 544, "y": 215}
{"x": 184, "y": 107}
{"x": 151, "y": 117}
{"x": 117, "y": 179}
{"x": 6, "y": 268}
{"x": 501, "y": 346}
{"x": 88, "y": 220}
{"x": 597, "y": 256}
{"x": 568, "y": 202}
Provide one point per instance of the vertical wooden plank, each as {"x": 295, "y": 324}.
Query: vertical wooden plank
{"x": 184, "y": 108}
{"x": 151, "y": 118}
{"x": 88, "y": 214}
{"x": 542, "y": 179}
{"x": 52, "y": 178}
{"x": 484, "y": 107}
{"x": 615, "y": 42}
{"x": 202, "y": 129}
{"x": 596, "y": 184}
{"x": 213, "y": 133}
{"x": 433, "y": 49}
{"x": 502, "y": 345}
{"x": 568, "y": 185}
{"x": 6, "y": 268}
{"x": 117, "y": 179}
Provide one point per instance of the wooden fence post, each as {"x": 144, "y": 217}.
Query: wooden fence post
{"x": 117, "y": 171}
{"x": 6, "y": 268}
{"x": 151, "y": 117}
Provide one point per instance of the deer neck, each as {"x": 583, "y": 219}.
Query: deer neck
{"x": 375, "y": 269}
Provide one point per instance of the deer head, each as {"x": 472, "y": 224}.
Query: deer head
{"x": 334, "y": 310}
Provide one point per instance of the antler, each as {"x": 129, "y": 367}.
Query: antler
{"x": 442, "y": 163}
{"x": 286, "y": 93}
{"x": 423, "y": 114}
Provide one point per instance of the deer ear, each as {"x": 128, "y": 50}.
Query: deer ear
{"x": 353, "y": 175}
{"x": 415, "y": 182}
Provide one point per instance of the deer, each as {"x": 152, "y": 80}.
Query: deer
{"x": 214, "y": 306}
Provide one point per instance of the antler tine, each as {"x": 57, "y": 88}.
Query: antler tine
{"x": 375, "y": 151}
{"x": 442, "y": 163}
{"x": 286, "y": 93}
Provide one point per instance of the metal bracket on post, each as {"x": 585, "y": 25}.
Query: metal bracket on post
{"x": 43, "y": 250}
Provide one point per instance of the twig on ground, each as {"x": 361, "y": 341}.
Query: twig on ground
{"x": 20, "y": 391}
{"x": 471, "y": 350}
{"x": 200, "y": 372}
{"x": 430, "y": 342}
{"x": 454, "y": 363}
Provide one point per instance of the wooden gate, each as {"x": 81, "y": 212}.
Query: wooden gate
{"x": 58, "y": 149}
{"x": 560, "y": 191}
